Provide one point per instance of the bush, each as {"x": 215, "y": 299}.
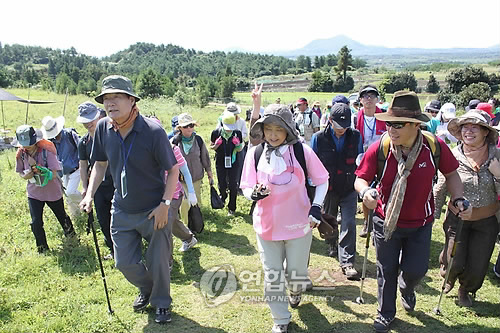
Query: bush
{"x": 479, "y": 91}
{"x": 343, "y": 86}
{"x": 399, "y": 81}
{"x": 432, "y": 85}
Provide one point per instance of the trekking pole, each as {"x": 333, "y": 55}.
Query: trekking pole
{"x": 98, "y": 252}
{"x": 437, "y": 309}
{"x": 360, "y": 299}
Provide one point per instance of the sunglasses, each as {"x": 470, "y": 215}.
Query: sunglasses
{"x": 188, "y": 126}
{"x": 396, "y": 125}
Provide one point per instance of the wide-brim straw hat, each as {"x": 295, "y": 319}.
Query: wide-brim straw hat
{"x": 472, "y": 117}
{"x": 280, "y": 115}
{"x": 185, "y": 119}
{"x": 404, "y": 107}
{"x": 116, "y": 84}
{"x": 52, "y": 126}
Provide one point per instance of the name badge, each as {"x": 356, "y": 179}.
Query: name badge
{"x": 227, "y": 162}
{"x": 123, "y": 178}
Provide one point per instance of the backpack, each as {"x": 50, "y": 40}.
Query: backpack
{"x": 70, "y": 131}
{"x": 298, "y": 151}
{"x": 385, "y": 144}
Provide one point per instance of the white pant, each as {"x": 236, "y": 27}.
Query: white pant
{"x": 273, "y": 255}
{"x": 71, "y": 183}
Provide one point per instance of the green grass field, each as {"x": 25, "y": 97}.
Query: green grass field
{"x": 62, "y": 291}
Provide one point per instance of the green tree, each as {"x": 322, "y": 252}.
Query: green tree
{"x": 344, "y": 62}
{"x": 5, "y": 79}
{"x": 227, "y": 86}
{"x": 432, "y": 85}
{"x": 342, "y": 85}
{"x": 321, "y": 82}
{"x": 63, "y": 81}
{"x": 460, "y": 78}
{"x": 399, "y": 81}
{"x": 481, "y": 91}
{"x": 150, "y": 84}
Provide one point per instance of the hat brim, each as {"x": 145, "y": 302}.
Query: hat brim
{"x": 368, "y": 90}
{"x": 229, "y": 127}
{"x": 99, "y": 97}
{"x": 257, "y": 130}
{"x": 85, "y": 120}
{"x": 455, "y": 127}
{"x": 187, "y": 123}
{"x": 55, "y": 131}
{"x": 421, "y": 118}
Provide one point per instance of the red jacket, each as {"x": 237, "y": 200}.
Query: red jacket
{"x": 380, "y": 127}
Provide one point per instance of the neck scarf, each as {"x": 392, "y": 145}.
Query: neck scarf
{"x": 399, "y": 185}
{"x": 130, "y": 120}
{"x": 273, "y": 163}
{"x": 187, "y": 143}
{"x": 225, "y": 134}
{"x": 476, "y": 155}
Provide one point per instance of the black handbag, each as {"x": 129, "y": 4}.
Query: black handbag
{"x": 215, "y": 199}
{"x": 195, "y": 219}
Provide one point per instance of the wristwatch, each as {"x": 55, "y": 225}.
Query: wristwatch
{"x": 166, "y": 202}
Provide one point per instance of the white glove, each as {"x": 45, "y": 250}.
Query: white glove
{"x": 192, "y": 199}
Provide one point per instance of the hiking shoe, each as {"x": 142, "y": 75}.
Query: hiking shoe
{"x": 140, "y": 302}
{"x": 280, "y": 328}
{"x": 230, "y": 213}
{"x": 44, "y": 248}
{"x": 381, "y": 324}
{"x": 408, "y": 301}
{"x": 350, "y": 272}
{"x": 496, "y": 273}
{"x": 294, "y": 300}
{"x": 163, "y": 316}
{"x": 110, "y": 256}
{"x": 186, "y": 245}
{"x": 464, "y": 298}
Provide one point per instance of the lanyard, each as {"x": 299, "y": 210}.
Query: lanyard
{"x": 372, "y": 130}
{"x": 125, "y": 156}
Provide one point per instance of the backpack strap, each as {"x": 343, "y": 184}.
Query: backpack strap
{"x": 71, "y": 138}
{"x": 298, "y": 151}
{"x": 385, "y": 144}
{"x": 382, "y": 153}
{"x": 44, "y": 156}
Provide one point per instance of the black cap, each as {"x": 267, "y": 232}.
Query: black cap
{"x": 434, "y": 105}
{"x": 341, "y": 114}
{"x": 472, "y": 104}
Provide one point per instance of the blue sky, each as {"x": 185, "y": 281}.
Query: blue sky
{"x": 100, "y": 28}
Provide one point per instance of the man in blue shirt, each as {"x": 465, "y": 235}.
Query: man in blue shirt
{"x": 66, "y": 141}
{"x": 337, "y": 147}
{"x": 138, "y": 153}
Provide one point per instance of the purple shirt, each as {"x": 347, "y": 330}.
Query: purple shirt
{"x": 50, "y": 192}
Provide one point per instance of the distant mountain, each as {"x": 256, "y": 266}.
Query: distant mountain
{"x": 320, "y": 47}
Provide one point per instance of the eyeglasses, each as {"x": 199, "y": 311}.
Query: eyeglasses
{"x": 369, "y": 96}
{"x": 188, "y": 126}
{"x": 396, "y": 125}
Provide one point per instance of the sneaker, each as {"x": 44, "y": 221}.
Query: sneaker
{"x": 186, "y": 245}
{"x": 464, "y": 298}
{"x": 280, "y": 328}
{"x": 294, "y": 300}
{"x": 408, "y": 301}
{"x": 110, "y": 256}
{"x": 496, "y": 273}
{"x": 230, "y": 213}
{"x": 350, "y": 272}
{"x": 163, "y": 316}
{"x": 140, "y": 302}
{"x": 381, "y": 324}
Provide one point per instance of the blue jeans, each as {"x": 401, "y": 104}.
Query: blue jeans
{"x": 347, "y": 235}
{"x": 403, "y": 260}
